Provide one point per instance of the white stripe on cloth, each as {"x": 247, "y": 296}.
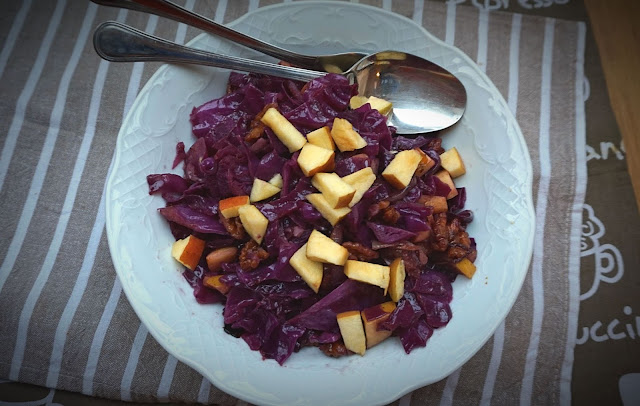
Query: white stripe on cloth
{"x": 405, "y": 400}
{"x": 132, "y": 363}
{"x": 483, "y": 38}
{"x": 203, "y": 393}
{"x": 98, "y": 337}
{"x": 483, "y": 34}
{"x": 181, "y": 32}
{"x": 220, "y": 11}
{"x": 386, "y": 4}
{"x": 450, "y": 33}
{"x": 514, "y": 72}
{"x": 541, "y": 215}
{"x": 23, "y": 100}
{"x": 167, "y": 377}
{"x": 576, "y": 223}
{"x": 418, "y": 10}
{"x": 12, "y": 138}
{"x": 253, "y": 4}
{"x": 514, "y": 64}
{"x": 12, "y": 37}
{"x": 35, "y": 189}
{"x": 450, "y": 388}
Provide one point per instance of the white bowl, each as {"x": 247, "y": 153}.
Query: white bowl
{"x": 498, "y": 182}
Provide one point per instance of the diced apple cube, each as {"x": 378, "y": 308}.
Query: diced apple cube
{"x": 396, "y": 279}
{"x": 401, "y": 169}
{"x": 229, "y": 207}
{"x": 276, "y": 181}
{"x": 361, "y": 181}
{"x": 254, "y": 222}
{"x": 425, "y": 164}
{"x": 323, "y": 249}
{"x": 314, "y": 159}
{"x": 322, "y": 138}
{"x": 188, "y": 251}
{"x": 372, "y": 317}
{"x": 382, "y": 105}
{"x": 444, "y": 176}
{"x": 367, "y": 272}
{"x": 310, "y": 271}
{"x": 466, "y": 267}
{"x": 345, "y": 137}
{"x": 216, "y": 258}
{"x": 337, "y": 192}
{"x": 284, "y": 130}
{"x": 262, "y": 190}
{"x": 352, "y": 331}
{"x": 357, "y": 101}
{"x": 438, "y": 203}
{"x": 332, "y": 215}
{"x": 214, "y": 282}
{"x": 452, "y": 162}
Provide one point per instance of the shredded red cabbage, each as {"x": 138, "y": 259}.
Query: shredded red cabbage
{"x": 270, "y": 307}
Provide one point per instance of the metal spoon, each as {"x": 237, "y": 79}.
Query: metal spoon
{"x": 335, "y": 63}
{"x": 425, "y": 97}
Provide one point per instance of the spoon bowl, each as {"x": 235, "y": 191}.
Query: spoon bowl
{"x": 425, "y": 96}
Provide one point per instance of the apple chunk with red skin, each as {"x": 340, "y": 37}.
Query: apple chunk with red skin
{"x": 425, "y": 164}
{"x": 229, "y": 207}
{"x": 214, "y": 282}
{"x": 188, "y": 251}
{"x": 445, "y": 177}
{"x": 352, "y": 331}
{"x": 323, "y": 249}
{"x": 337, "y": 192}
{"x": 372, "y": 317}
{"x": 401, "y": 169}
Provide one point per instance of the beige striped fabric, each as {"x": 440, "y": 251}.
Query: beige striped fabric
{"x": 64, "y": 320}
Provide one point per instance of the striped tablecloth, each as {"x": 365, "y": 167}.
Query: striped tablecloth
{"x": 64, "y": 320}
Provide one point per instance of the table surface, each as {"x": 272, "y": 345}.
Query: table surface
{"x": 615, "y": 27}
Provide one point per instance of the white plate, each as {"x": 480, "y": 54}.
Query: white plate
{"x": 498, "y": 182}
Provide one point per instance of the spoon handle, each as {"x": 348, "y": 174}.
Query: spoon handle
{"x": 117, "y": 42}
{"x": 167, "y": 9}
